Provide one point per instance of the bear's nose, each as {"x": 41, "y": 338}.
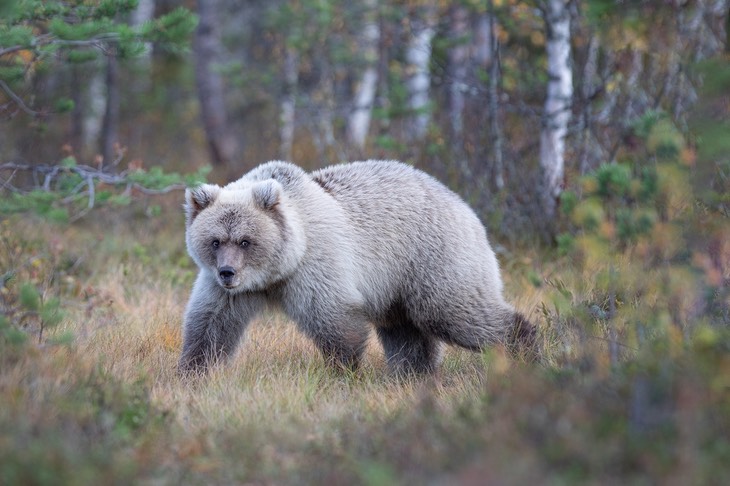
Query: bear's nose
{"x": 226, "y": 273}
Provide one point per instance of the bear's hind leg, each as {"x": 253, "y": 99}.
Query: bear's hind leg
{"x": 407, "y": 349}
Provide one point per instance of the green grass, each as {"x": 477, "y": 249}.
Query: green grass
{"x": 106, "y": 407}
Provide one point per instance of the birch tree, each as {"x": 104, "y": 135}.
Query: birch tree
{"x": 358, "y": 123}
{"x": 557, "y": 107}
{"x": 288, "y": 102}
{"x": 458, "y": 57}
{"x": 207, "y": 47}
{"x": 110, "y": 125}
{"x": 418, "y": 57}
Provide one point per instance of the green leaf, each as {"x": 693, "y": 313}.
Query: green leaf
{"x": 568, "y": 201}
{"x": 19, "y": 35}
{"x": 78, "y": 56}
{"x": 29, "y": 297}
{"x": 64, "y": 105}
{"x": 15, "y": 337}
{"x": 51, "y": 313}
{"x": 198, "y": 177}
{"x": 566, "y": 243}
{"x": 613, "y": 179}
{"x": 120, "y": 200}
{"x": 63, "y": 339}
{"x": 69, "y": 161}
{"x": 58, "y": 215}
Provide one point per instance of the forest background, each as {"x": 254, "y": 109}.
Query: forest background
{"x": 591, "y": 137}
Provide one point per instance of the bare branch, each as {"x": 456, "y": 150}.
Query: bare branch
{"x": 90, "y": 176}
{"x": 18, "y": 101}
{"x": 157, "y": 192}
{"x": 10, "y": 50}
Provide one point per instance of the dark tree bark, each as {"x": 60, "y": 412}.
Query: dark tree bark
{"x": 495, "y": 123}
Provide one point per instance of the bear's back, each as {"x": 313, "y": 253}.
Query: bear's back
{"x": 389, "y": 195}
{"x": 409, "y": 228}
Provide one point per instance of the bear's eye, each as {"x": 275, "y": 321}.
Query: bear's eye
{"x": 216, "y": 243}
{"x": 245, "y": 243}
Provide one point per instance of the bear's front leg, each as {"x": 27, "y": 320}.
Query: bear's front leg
{"x": 214, "y": 323}
{"x": 341, "y": 335}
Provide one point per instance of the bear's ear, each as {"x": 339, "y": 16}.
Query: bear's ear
{"x": 267, "y": 194}
{"x": 199, "y": 198}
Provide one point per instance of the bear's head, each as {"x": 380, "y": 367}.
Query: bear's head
{"x": 247, "y": 237}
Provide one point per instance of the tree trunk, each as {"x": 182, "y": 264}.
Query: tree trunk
{"x": 288, "y": 103}
{"x": 93, "y": 115}
{"x": 77, "y": 115}
{"x": 110, "y": 126}
{"x": 141, "y": 83}
{"x": 483, "y": 37}
{"x": 418, "y": 57}
{"x": 638, "y": 100}
{"x": 358, "y": 123}
{"x": 495, "y": 123}
{"x": 590, "y": 70}
{"x": 324, "y": 134}
{"x": 458, "y": 57}
{"x": 207, "y": 49}
{"x": 557, "y": 105}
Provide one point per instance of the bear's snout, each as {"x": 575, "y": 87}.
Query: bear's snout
{"x": 226, "y": 274}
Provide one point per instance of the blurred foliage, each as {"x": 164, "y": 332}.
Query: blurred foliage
{"x": 35, "y": 34}
{"x": 89, "y": 414}
{"x": 70, "y": 191}
{"x": 30, "y": 291}
{"x": 649, "y": 234}
{"x": 40, "y": 36}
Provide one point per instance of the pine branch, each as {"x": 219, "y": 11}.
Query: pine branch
{"x": 50, "y": 179}
{"x": 10, "y": 50}
{"x": 88, "y": 173}
{"x": 18, "y": 100}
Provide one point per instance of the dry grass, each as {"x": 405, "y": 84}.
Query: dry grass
{"x": 127, "y": 318}
{"x": 109, "y": 406}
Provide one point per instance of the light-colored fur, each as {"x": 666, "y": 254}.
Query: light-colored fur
{"x": 340, "y": 250}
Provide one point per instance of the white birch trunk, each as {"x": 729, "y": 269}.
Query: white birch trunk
{"x": 94, "y": 115}
{"x": 557, "y": 104}
{"x": 358, "y": 123}
{"x": 483, "y": 38}
{"x": 458, "y": 56}
{"x": 324, "y": 136}
{"x": 288, "y": 103}
{"x": 207, "y": 47}
{"x": 418, "y": 57}
{"x": 141, "y": 82}
{"x": 110, "y": 125}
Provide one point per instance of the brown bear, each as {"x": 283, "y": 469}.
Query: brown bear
{"x": 342, "y": 250}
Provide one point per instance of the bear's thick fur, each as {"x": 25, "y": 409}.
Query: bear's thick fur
{"x": 341, "y": 250}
